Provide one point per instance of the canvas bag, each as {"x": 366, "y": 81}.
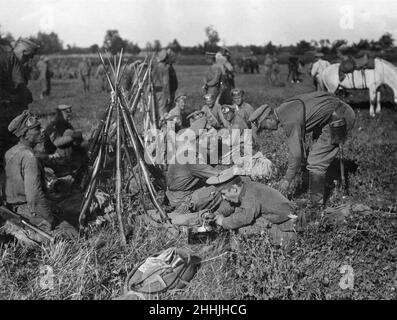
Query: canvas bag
{"x": 173, "y": 268}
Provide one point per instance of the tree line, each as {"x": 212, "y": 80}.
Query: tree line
{"x": 113, "y": 42}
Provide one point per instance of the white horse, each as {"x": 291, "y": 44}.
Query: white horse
{"x": 316, "y": 70}
{"x": 371, "y": 79}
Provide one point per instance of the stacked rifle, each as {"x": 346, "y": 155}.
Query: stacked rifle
{"x": 130, "y": 146}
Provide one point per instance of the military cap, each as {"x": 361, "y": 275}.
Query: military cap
{"x": 63, "y": 107}
{"x": 180, "y": 96}
{"x": 196, "y": 114}
{"x": 222, "y": 177}
{"x": 237, "y": 92}
{"x": 162, "y": 55}
{"x": 260, "y": 114}
{"x": 22, "y": 123}
{"x": 227, "y": 108}
{"x": 28, "y": 45}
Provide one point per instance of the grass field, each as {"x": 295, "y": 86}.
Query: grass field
{"x": 95, "y": 268}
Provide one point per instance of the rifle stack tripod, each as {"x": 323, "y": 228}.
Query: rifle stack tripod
{"x": 129, "y": 144}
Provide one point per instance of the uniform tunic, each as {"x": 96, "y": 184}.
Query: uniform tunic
{"x": 25, "y": 184}
{"x": 319, "y": 109}
{"x": 256, "y": 200}
{"x": 244, "y": 110}
{"x": 214, "y": 115}
{"x": 14, "y": 96}
{"x": 213, "y": 79}
{"x": 165, "y": 85}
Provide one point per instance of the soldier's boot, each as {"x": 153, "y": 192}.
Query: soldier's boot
{"x": 316, "y": 189}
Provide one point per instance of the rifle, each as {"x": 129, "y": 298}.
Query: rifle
{"x": 19, "y": 221}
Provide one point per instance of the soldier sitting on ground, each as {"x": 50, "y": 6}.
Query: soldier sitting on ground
{"x": 62, "y": 139}
{"x": 213, "y": 112}
{"x": 24, "y": 183}
{"x": 243, "y": 109}
{"x": 177, "y": 113}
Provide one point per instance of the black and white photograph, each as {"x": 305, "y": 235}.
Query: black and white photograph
{"x": 195, "y": 155}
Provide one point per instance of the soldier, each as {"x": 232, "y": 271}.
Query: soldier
{"x": 65, "y": 142}
{"x": 14, "y": 94}
{"x": 243, "y": 109}
{"x": 100, "y": 73}
{"x": 213, "y": 112}
{"x": 186, "y": 189}
{"x": 165, "y": 82}
{"x": 24, "y": 185}
{"x": 310, "y": 112}
{"x": 85, "y": 73}
{"x": 232, "y": 118}
{"x": 45, "y": 76}
{"x": 316, "y": 70}
{"x": 177, "y": 114}
{"x": 251, "y": 203}
{"x": 213, "y": 77}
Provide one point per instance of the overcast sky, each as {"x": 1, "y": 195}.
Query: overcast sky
{"x": 84, "y": 22}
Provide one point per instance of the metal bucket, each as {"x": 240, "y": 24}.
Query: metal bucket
{"x": 338, "y": 131}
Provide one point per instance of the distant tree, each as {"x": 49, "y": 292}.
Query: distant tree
{"x": 213, "y": 38}
{"x": 49, "y": 43}
{"x": 302, "y": 46}
{"x": 132, "y": 48}
{"x": 157, "y": 45}
{"x": 386, "y": 41}
{"x": 113, "y": 41}
{"x": 94, "y": 48}
{"x": 269, "y": 48}
{"x": 175, "y": 46}
{"x": 337, "y": 44}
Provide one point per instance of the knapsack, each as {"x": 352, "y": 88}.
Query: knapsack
{"x": 171, "y": 269}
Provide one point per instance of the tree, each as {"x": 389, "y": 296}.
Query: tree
{"x": 113, "y": 42}
{"x": 302, "y": 46}
{"x": 149, "y": 46}
{"x": 94, "y": 48}
{"x": 133, "y": 48}
{"x": 213, "y": 38}
{"x": 269, "y": 48}
{"x": 49, "y": 43}
{"x": 386, "y": 41}
{"x": 337, "y": 44}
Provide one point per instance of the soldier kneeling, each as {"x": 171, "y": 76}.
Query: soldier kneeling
{"x": 253, "y": 207}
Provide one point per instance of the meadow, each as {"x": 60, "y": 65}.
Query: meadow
{"x": 95, "y": 267}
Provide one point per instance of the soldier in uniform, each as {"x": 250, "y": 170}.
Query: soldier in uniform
{"x": 232, "y": 118}
{"x": 177, "y": 113}
{"x": 24, "y": 184}
{"x": 253, "y": 207}
{"x": 307, "y": 113}
{"x": 165, "y": 82}
{"x": 45, "y": 76}
{"x": 243, "y": 109}
{"x": 64, "y": 141}
{"x": 100, "y": 73}
{"x": 213, "y": 78}
{"x": 85, "y": 73}
{"x": 213, "y": 112}
{"x": 14, "y": 94}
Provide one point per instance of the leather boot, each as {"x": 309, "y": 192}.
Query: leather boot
{"x": 316, "y": 189}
